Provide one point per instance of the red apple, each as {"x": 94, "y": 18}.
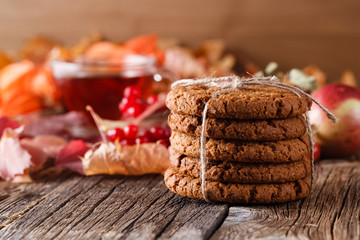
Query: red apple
{"x": 341, "y": 139}
{"x": 317, "y": 152}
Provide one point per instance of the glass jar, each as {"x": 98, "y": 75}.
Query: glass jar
{"x": 101, "y": 84}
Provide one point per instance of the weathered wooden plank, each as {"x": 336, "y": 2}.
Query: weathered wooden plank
{"x": 16, "y": 198}
{"x": 124, "y": 205}
{"x": 149, "y": 216}
{"x": 151, "y": 211}
{"x": 46, "y": 207}
{"x": 106, "y": 207}
{"x": 115, "y": 207}
{"x": 196, "y": 220}
{"x": 332, "y": 211}
{"x": 75, "y": 210}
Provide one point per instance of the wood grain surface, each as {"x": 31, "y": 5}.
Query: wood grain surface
{"x": 331, "y": 211}
{"x": 75, "y": 207}
{"x": 62, "y": 205}
{"x": 293, "y": 33}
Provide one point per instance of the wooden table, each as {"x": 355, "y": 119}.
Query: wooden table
{"x": 62, "y": 205}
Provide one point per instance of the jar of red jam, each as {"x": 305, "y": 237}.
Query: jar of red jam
{"x": 101, "y": 84}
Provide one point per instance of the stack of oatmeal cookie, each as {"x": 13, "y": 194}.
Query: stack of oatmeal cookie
{"x": 257, "y": 146}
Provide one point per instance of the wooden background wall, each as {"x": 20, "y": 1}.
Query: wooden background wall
{"x": 293, "y": 33}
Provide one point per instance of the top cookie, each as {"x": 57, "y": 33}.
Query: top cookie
{"x": 252, "y": 102}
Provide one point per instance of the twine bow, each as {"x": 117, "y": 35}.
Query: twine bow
{"x": 235, "y": 82}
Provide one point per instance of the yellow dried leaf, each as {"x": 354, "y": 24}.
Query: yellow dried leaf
{"x": 140, "y": 159}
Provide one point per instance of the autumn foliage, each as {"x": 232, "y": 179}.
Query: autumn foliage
{"x": 25, "y": 87}
{"x": 142, "y": 45}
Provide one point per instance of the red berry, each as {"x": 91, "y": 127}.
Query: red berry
{"x": 165, "y": 143}
{"x": 157, "y": 133}
{"x": 145, "y": 133}
{"x": 134, "y": 111}
{"x": 131, "y": 131}
{"x": 132, "y": 92}
{"x": 127, "y": 142}
{"x": 124, "y": 104}
{"x": 152, "y": 99}
{"x": 317, "y": 152}
{"x": 130, "y": 102}
{"x": 142, "y": 139}
{"x": 115, "y": 133}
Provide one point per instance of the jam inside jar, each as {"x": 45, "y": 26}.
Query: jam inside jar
{"x": 101, "y": 84}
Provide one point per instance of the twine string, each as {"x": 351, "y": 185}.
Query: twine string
{"x": 312, "y": 143}
{"x": 203, "y": 157}
{"x": 232, "y": 82}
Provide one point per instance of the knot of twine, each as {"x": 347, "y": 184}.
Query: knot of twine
{"x": 235, "y": 82}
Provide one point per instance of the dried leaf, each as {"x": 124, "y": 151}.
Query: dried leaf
{"x": 20, "y": 104}
{"x": 100, "y": 50}
{"x": 23, "y": 86}
{"x": 69, "y": 126}
{"x": 107, "y": 158}
{"x": 70, "y": 156}
{"x": 14, "y": 160}
{"x": 114, "y": 53}
{"x": 181, "y": 61}
{"x": 16, "y": 76}
{"x": 24, "y": 178}
{"x": 85, "y": 43}
{"x": 6, "y": 122}
{"x": 143, "y": 44}
{"x": 50, "y": 144}
{"x": 212, "y": 49}
{"x": 315, "y": 71}
{"x": 70, "y": 53}
{"x": 37, "y": 48}
{"x": 224, "y": 66}
{"x": 44, "y": 86}
{"x": 302, "y": 80}
{"x": 37, "y": 156}
{"x": 42, "y": 148}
